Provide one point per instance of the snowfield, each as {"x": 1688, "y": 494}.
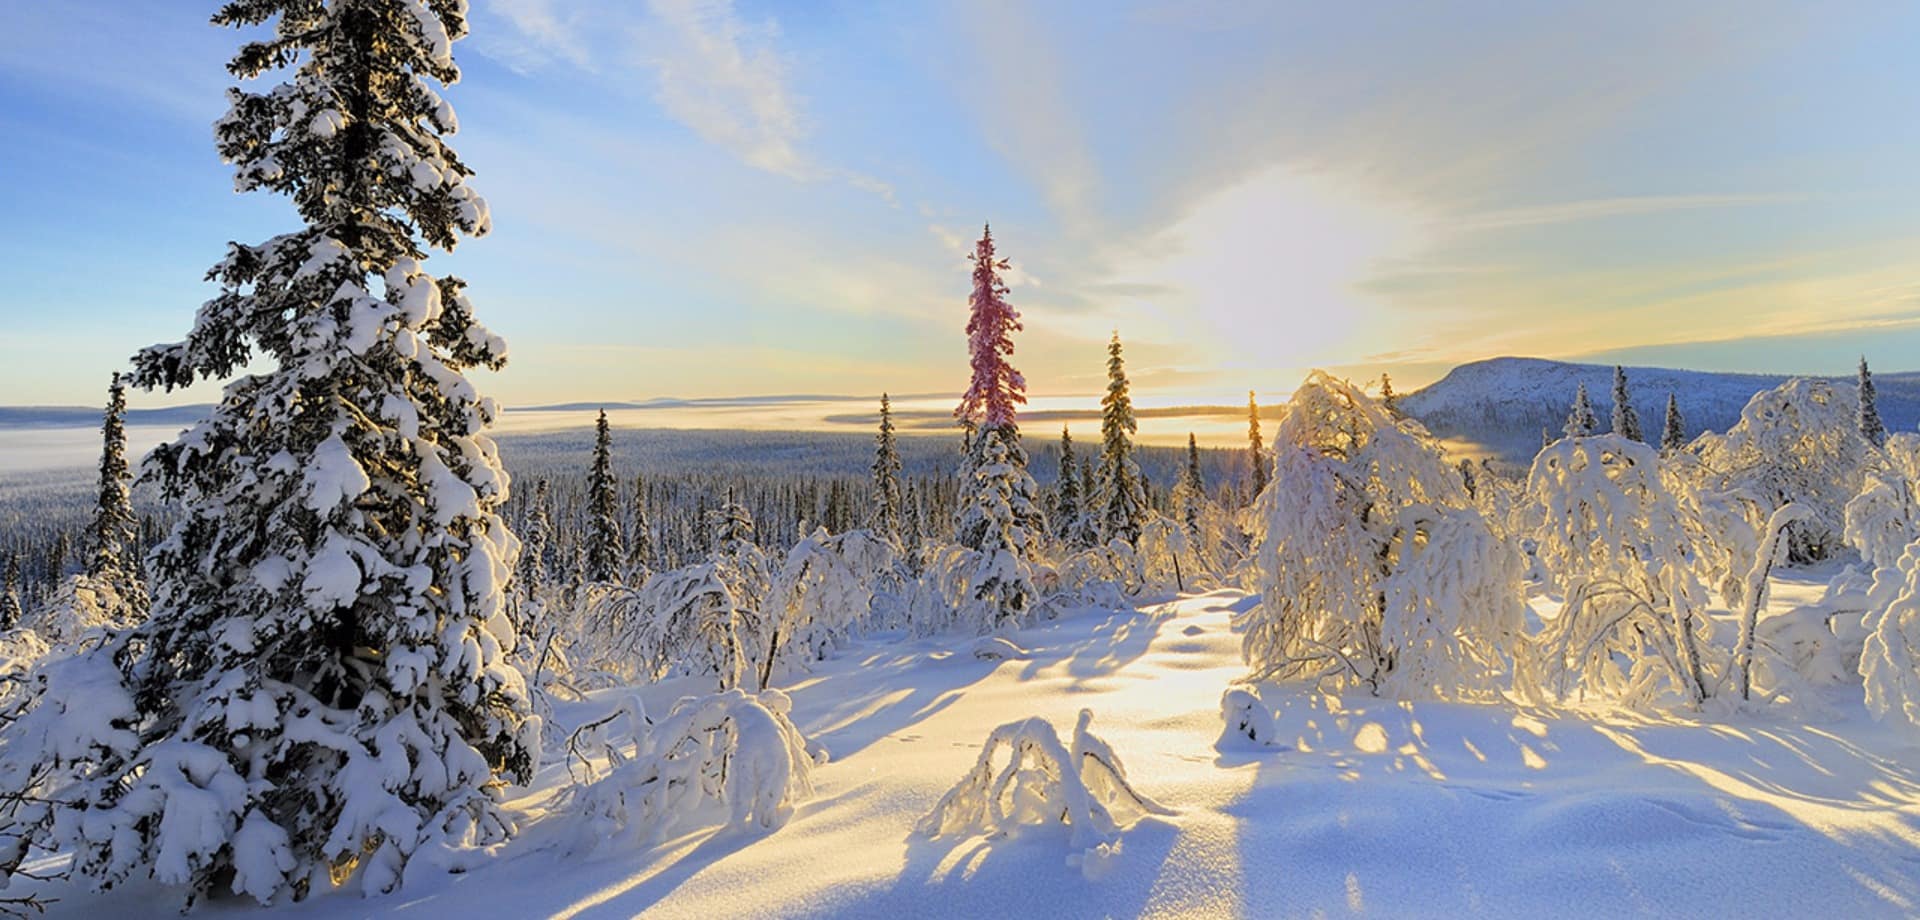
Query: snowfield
{"x": 1360, "y": 807}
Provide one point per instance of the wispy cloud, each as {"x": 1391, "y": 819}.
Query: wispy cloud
{"x": 1599, "y": 208}
{"x": 725, "y": 78}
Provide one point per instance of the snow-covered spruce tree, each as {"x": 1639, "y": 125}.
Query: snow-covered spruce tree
{"x": 10, "y": 594}
{"x": 113, "y": 539}
{"x": 1120, "y": 503}
{"x": 322, "y": 690}
{"x": 1871, "y": 427}
{"x": 1071, "y": 525}
{"x": 886, "y": 512}
{"x": 1673, "y": 436}
{"x": 999, "y": 517}
{"x": 1190, "y": 493}
{"x": 640, "y": 537}
{"x": 1388, "y": 398}
{"x": 606, "y": 546}
{"x": 1581, "y": 422}
{"x": 1626, "y": 421}
{"x": 1613, "y": 540}
{"x": 1373, "y": 570}
{"x": 1798, "y": 443}
{"x": 1257, "y": 459}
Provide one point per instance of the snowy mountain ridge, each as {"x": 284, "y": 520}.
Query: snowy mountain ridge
{"x": 1499, "y": 406}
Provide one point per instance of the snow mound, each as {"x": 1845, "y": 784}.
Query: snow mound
{"x": 1043, "y": 783}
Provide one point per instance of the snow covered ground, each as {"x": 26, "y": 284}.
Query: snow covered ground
{"x": 1366, "y": 808}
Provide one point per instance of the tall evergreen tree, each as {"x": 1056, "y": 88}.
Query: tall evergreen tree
{"x": 999, "y": 515}
{"x": 1120, "y": 504}
{"x": 1581, "y": 421}
{"x": 1256, "y": 450}
{"x": 1871, "y": 427}
{"x": 322, "y": 688}
{"x": 886, "y": 476}
{"x": 1673, "y": 436}
{"x": 606, "y": 547}
{"x": 1626, "y": 422}
{"x": 10, "y": 611}
{"x": 114, "y": 537}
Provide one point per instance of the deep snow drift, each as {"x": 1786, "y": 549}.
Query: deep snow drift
{"x": 1362, "y": 807}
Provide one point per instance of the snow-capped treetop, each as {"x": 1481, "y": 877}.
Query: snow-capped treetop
{"x": 1256, "y": 452}
{"x": 606, "y": 544}
{"x": 886, "y": 476}
{"x": 1120, "y": 503}
{"x": 1871, "y": 427}
{"x": 1673, "y": 435}
{"x": 1581, "y": 422}
{"x": 997, "y": 390}
{"x": 1626, "y": 422}
{"x": 112, "y": 540}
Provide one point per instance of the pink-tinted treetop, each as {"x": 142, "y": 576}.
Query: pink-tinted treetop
{"x": 997, "y": 388}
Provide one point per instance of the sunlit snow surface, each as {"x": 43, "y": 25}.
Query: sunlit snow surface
{"x": 1365, "y": 807}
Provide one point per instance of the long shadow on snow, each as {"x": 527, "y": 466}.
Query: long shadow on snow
{"x": 1113, "y": 643}
{"x": 1496, "y": 809}
{"x": 851, "y": 708}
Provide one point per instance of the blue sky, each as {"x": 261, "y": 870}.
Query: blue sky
{"x": 702, "y": 198}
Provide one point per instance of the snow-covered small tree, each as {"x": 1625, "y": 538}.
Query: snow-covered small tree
{"x": 1797, "y": 443}
{"x": 1388, "y": 397}
{"x": 999, "y": 577}
{"x": 1581, "y": 421}
{"x": 885, "y": 516}
{"x": 1613, "y": 540}
{"x": 1190, "y": 492}
{"x": 606, "y": 545}
{"x": 1072, "y": 525}
{"x": 10, "y": 594}
{"x": 1120, "y": 502}
{"x": 1871, "y": 428}
{"x": 1257, "y": 460}
{"x": 1626, "y": 421}
{"x": 1044, "y": 782}
{"x": 1365, "y": 568}
{"x": 322, "y": 691}
{"x": 1882, "y": 520}
{"x": 640, "y": 548}
{"x": 1673, "y": 434}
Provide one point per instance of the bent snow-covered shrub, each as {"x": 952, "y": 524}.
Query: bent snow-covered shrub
{"x": 733, "y": 752}
{"x": 1043, "y": 782}
{"x": 1613, "y": 540}
{"x": 1374, "y": 570}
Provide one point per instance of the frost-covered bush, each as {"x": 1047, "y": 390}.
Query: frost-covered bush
{"x": 1882, "y": 520}
{"x": 1890, "y": 659}
{"x": 1452, "y": 612}
{"x": 683, "y": 622}
{"x": 1615, "y": 543}
{"x": 1369, "y": 559}
{"x": 1723, "y": 524}
{"x": 1797, "y": 443}
{"x": 1043, "y": 782}
{"x": 80, "y": 605}
{"x": 733, "y": 750}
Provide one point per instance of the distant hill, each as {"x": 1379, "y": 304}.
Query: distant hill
{"x": 1500, "y": 405}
